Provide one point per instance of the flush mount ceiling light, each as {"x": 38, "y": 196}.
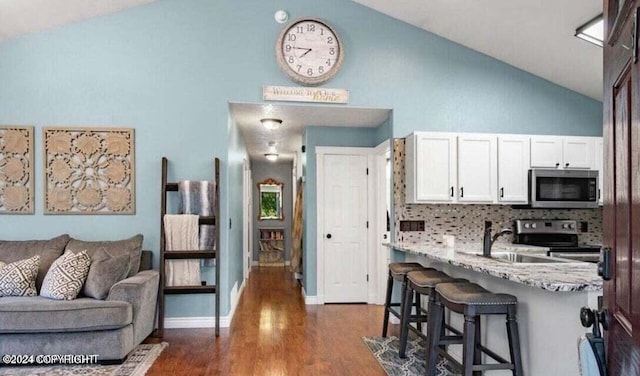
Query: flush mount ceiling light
{"x": 592, "y": 31}
{"x": 271, "y": 124}
{"x": 271, "y": 157}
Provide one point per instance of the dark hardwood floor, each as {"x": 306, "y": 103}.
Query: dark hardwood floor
{"x": 275, "y": 333}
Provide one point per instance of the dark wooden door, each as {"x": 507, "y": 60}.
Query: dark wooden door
{"x": 622, "y": 185}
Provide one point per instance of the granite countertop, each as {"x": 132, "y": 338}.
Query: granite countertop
{"x": 571, "y": 276}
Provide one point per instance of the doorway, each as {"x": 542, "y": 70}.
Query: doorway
{"x": 340, "y": 126}
{"x": 343, "y": 206}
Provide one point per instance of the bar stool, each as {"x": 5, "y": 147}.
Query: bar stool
{"x": 420, "y": 282}
{"x": 473, "y": 301}
{"x": 397, "y": 272}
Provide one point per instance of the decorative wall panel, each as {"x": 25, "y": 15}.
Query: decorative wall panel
{"x": 466, "y": 222}
{"x": 16, "y": 170}
{"x": 89, "y": 170}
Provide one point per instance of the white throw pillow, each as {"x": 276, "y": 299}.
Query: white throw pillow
{"x": 19, "y": 278}
{"x": 66, "y": 276}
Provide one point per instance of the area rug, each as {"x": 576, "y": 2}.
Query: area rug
{"x": 385, "y": 350}
{"x": 137, "y": 364}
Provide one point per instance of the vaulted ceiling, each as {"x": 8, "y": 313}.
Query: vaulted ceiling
{"x": 536, "y": 36}
{"x": 18, "y": 17}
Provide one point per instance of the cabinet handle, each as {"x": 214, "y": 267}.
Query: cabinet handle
{"x": 461, "y": 192}
{"x": 451, "y": 191}
{"x": 599, "y": 193}
{"x": 328, "y": 236}
{"x": 502, "y": 192}
{"x": 566, "y": 165}
{"x": 557, "y": 164}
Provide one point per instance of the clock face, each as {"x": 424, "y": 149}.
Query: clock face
{"x": 309, "y": 51}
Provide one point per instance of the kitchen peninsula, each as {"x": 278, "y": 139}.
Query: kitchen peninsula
{"x": 550, "y": 296}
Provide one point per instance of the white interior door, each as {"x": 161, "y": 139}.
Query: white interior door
{"x": 345, "y": 195}
{"x": 247, "y": 219}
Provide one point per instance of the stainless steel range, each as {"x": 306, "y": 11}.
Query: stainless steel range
{"x": 560, "y": 236}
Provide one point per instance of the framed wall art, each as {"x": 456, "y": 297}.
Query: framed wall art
{"x": 89, "y": 170}
{"x": 16, "y": 170}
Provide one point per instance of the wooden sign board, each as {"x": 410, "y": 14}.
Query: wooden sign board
{"x": 305, "y": 94}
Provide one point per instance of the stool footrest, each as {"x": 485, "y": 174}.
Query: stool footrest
{"x": 452, "y": 329}
{"x": 418, "y": 332}
{"x": 451, "y": 340}
{"x": 489, "y": 367}
{"x": 394, "y": 312}
{"x": 493, "y": 355}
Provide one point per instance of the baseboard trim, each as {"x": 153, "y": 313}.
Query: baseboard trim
{"x": 309, "y": 300}
{"x": 195, "y": 322}
{"x": 204, "y": 321}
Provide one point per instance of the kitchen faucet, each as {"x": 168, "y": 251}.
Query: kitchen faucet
{"x": 488, "y": 240}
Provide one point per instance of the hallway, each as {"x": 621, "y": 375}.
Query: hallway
{"x": 274, "y": 333}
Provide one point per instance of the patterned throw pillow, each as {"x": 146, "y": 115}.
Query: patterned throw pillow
{"x": 66, "y": 276}
{"x": 19, "y": 278}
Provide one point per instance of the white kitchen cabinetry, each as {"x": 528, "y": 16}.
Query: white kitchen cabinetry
{"x": 430, "y": 167}
{"x": 578, "y": 152}
{"x": 470, "y": 168}
{"x": 562, "y": 152}
{"x": 513, "y": 168}
{"x": 477, "y": 168}
{"x": 546, "y": 152}
{"x": 599, "y": 166}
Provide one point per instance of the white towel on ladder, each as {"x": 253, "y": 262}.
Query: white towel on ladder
{"x": 181, "y": 234}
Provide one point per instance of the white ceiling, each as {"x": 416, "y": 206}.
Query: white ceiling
{"x": 294, "y": 119}
{"x": 536, "y": 36}
{"x": 18, "y": 17}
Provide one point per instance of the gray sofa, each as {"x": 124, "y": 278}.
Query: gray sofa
{"x": 109, "y": 328}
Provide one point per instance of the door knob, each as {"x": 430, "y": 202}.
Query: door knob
{"x": 328, "y": 236}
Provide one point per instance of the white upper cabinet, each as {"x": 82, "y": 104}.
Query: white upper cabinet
{"x": 562, "y": 152}
{"x": 430, "y": 167}
{"x": 578, "y": 152}
{"x": 598, "y": 164}
{"x": 546, "y": 152}
{"x": 513, "y": 168}
{"x": 468, "y": 168}
{"x": 477, "y": 168}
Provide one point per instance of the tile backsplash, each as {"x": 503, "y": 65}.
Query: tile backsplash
{"x": 466, "y": 222}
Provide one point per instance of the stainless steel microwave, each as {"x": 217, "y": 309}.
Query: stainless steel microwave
{"x": 563, "y": 188}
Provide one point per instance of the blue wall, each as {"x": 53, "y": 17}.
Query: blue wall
{"x": 169, "y": 69}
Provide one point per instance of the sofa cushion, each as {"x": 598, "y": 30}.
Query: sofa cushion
{"x": 131, "y": 247}
{"x": 48, "y": 250}
{"x": 41, "y": 315}
{"x": 106, "y": 269}
{"x": 19, "y": 278}
{"x": 66, "y": 276}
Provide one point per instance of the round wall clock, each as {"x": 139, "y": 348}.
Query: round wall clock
{"x": 309, "y": 51}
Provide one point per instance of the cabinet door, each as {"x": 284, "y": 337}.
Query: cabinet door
{"x": 578, "y": 152}
{"x": 598, "y": 164}
{"x": 513, "y": 168}
{"x": 546, "y": 152}
{"x": 477, "y": 164}
{"x": 431, "y": 174}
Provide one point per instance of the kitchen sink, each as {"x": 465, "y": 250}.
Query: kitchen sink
{"x": 514, "y": 257}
